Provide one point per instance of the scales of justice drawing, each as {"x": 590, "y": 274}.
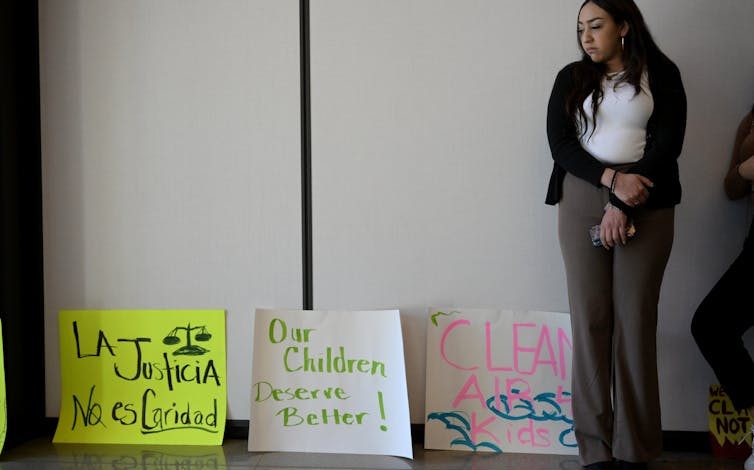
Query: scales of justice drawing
{"x": 188, "y": 349}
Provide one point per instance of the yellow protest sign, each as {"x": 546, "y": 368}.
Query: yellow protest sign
{"x": 142, "y": 377}
{"x": 3, "y": 403}
{"x": 726, "y": 423}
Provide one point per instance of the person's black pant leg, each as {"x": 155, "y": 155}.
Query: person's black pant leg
{"x": 720, "y": 322}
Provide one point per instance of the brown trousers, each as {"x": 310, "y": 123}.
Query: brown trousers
{"x": 613, "y": 298}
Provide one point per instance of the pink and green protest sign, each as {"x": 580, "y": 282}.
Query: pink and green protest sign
{"x": 499, "y": 381}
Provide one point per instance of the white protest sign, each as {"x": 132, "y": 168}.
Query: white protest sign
{"x": 499, "y": 381}
{"x": 329, "y": 381}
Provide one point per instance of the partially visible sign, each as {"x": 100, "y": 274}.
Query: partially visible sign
{"x": 3, "y": 403}
{"x": 329, "y": 382}
{"x": 499, "y": 381}
{"x": 727, "y": 425}
{"x": 142, "y": 377}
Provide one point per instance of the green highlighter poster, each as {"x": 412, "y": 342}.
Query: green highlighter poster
{"x": 142, "y": 377}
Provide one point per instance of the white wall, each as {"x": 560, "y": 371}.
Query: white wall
{"x": 171, "y": 163}
{"x": 170, "y": 147}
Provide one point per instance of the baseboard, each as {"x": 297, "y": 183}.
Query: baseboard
{"x": 237, "y": 429}
{"x": 673, "y": 441}
{"x": 686, "y": 441}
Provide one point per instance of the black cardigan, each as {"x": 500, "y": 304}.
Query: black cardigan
{"x": 665, "y": 131}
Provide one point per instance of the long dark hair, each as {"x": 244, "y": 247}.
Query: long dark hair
{"x": 638, "y": 48}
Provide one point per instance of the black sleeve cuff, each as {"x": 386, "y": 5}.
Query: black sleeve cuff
{"x": 614, "y": 200}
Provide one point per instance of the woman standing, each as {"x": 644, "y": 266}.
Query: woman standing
{"x": 615, "y": 124}
{"x": 725, "y": 314}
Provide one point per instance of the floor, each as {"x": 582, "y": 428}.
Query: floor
{"x": 43, "y": 455}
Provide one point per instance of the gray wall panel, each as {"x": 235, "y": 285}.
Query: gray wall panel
{"x": 171, "y": 163}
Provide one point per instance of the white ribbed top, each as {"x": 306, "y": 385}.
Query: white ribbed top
{"x": 621, "y": 133}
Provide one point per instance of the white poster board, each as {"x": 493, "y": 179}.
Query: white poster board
{"x": 329, "y": 381}
{"x": 499, "y": 381}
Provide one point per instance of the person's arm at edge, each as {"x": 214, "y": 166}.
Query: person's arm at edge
{"x": 737, "y": 187}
